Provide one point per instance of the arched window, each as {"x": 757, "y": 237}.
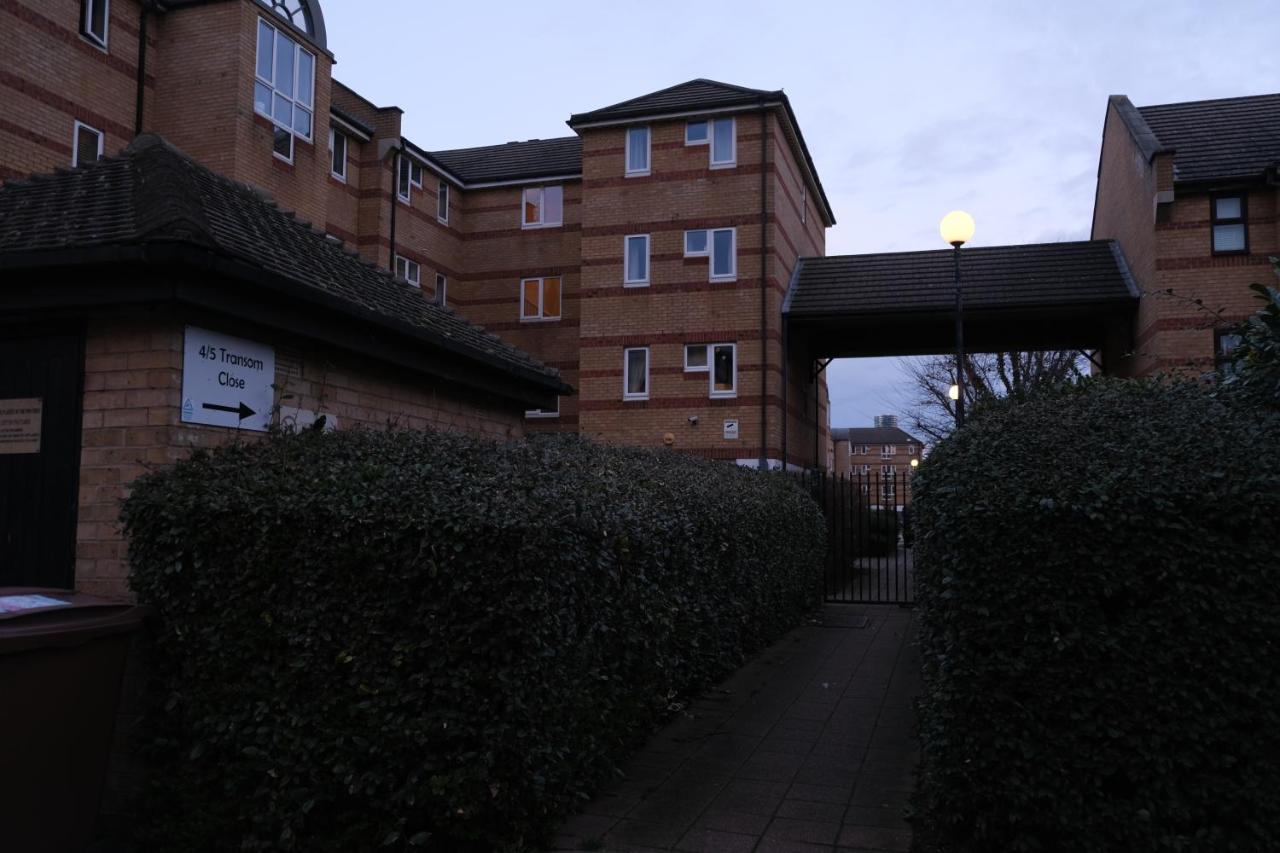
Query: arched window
{"x": 303, "y": 14}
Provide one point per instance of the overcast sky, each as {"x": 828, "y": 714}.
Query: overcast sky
{"x": 910, "y": 110}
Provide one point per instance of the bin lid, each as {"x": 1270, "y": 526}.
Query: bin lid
{"x": 37, "y": 617}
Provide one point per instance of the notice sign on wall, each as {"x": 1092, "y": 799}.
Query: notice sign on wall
{"x": 20, "y": 425}
{"x": 227, "y": 381}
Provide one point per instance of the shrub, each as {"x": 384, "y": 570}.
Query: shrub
{"x": 1099, "y": 571}
{"x": 410, "y": 639}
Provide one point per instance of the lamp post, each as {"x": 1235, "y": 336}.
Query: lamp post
{"x": 957, "y": 229}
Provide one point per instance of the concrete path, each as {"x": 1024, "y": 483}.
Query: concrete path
{"x": 807, "y": 748}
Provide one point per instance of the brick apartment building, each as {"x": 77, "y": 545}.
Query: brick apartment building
{"x": 879, "y": 457}
{"x": 641, "y": 261}
{"x": 1189, "y": 192}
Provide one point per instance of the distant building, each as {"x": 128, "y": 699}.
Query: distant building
{"x": 1189, "y": 192}
{"x": 879, "y": 457}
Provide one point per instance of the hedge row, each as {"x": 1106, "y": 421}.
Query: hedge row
{"x": 424, "y": 640}
{"x": 1099, "y": 571}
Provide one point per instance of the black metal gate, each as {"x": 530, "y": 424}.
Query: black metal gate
{"x": 868, "y": 535}
{"x": 41, "y": 378}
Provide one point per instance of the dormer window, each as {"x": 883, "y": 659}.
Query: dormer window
{"x": 1229, "y": 231}
{"x": 284, "y": 87}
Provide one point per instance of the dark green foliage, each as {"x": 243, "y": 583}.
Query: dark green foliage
{"x": 877, "y": 532}
{"x": 1099, "y": 571}
{"x": 426, "y": 640}
{"x": 1255, "y": 366}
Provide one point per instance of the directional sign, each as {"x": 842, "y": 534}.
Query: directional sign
{"x": 227, "y": 381}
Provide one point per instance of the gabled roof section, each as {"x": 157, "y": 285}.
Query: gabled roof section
{"x": 153, "y": 195}
{"x": 512, "y": 162}
{"x": 995, "y": 277}
{"x": 1226, "y": 140}
{"x": 709, "y": 96}
{"x": 874, "y": 435}
{"x": 692, "y": 96}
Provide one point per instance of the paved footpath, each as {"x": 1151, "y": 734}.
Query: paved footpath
{"x": 807, "y": 748}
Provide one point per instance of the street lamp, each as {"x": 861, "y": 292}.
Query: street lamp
{"x": 915, "y": 463}
{"x": 957, "y": 229}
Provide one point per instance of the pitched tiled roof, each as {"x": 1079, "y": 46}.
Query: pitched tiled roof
{"x": 873, "y": 435}
{"x": 152, "y": 194}
{"x": 995, "y": 277}
{"x": 536, "y": 158}
{"x": 1222, "y": 140}
{"x": 700, "y": 94}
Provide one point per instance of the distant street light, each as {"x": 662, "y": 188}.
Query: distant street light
{"x": 957, "y": 229}
{"x": 915, "y": 463}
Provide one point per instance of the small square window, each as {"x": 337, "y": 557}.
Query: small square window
{"x": 695, "y": 358}
{"x": 543, "y": 207}
{"x": 540, "y": 298}
{"x": 695, "y": 243}
{"x": 86, "y": 145}
{"x": 282, "y": 144}
{"x": 635, "y": 373}
{"x": 637, "y": 151}
{"x": 409, "y": 270}
{"x": 696, "y": 133}
{"x": 1230, "y": 233}
{"x": 636, "y": 262}
{"x": 338, "y": 154}
{"x": 95, "y": 16}
{"x": 442, "y": 202}
{"x": 442, "y": 289}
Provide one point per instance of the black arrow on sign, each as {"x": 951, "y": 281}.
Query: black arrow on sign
{"x": 244, "y": 411}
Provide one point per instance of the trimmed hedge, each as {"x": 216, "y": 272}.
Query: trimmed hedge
{"x": 1099, "y": 571}
{"x": 425, "y": 640}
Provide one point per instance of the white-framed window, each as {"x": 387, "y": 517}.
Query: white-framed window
{"x": 696, "y": 243}
{"x": 888, "y": 450}
{"x": 95, "y": 20}
{"x": 864, "y": 470}
{"x": 697, "y": 132}
{"x": 635, "y": 373}
{"x": 544, "y": 413}
{"x": 724, "y": 144}
{"x": 724, "y": 254}
{"x": 911, "y": 450}
{"x": 638, "y": 150}
{"x": 284, "y": 87}
{"x": 540, "y": 298}
{"x": 338, "y": 154}
{"x": 865, "y": 450}
{"x": 543, "y": 207}
{"x": 635, "y": 271}
{"x": 408, "y": 176}
{"x": 408, "y": 270}
{"x": 442, "y": 202}
{"x": 1228, "y": 219}
{"x": 442, "y": 289}
{"x": 886, "y": 470}
{"x": 86, "y": 144}
{"x": 804, "y": 204}
{"x": 719, "y": 361}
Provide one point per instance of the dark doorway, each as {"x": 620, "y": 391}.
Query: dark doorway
{"x": 41, "y": 379}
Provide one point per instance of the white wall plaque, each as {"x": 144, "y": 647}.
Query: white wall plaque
{"x": 731, "y": 428}
{"x": 20, "y": 425}
{"x": 227, "y": 381}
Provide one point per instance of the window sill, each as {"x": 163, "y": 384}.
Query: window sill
{"x": 635, "y": 284}
{"x": 540, "y": 226}
{"x": 724, "y": 395}
{"x": 338, "y": 178}
{"x": 627, "y": 399}
{"x": 1217, "y": 253}
{"x": 91, "y": 40}
{"x": 541, "y": 416}
{"x": 536, "y": 320}
{"x": 717, "y": 166}
{"x": 724, "y": 278}
{"x": 442, "y": 221}
{"x": 643, "y": 174}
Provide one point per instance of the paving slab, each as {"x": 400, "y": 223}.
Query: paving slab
{"x": 809, "y": 747}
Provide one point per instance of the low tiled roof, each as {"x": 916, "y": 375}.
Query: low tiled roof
{"x": 700, "y": 94}
{"x": 152, "y": 194}
{"x": 995, "y": 277}
{"x": 873, "y": 435}
{"x": 514, "y": 161}
{"x": 1221, "y": 140}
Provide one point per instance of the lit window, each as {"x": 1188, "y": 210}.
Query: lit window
{"x": 638, "y": 151}
{"x": 1229, "y": 234}
{"x": 442, "y": 289}
{"x": 442, "y": 202}
{"x": 408, "y": 176}
{"x": 719, "y": 361}
{"x": 695, "y": 243}
{"x": 86, "y": 145}
{"x": 540, "y": 298}
{"x": 94, "y": 18}
{"x": 284, "y": 87}
{"x": 635, "y": 373}
{"x": 408, "y": 270}
{"x": 544, "y": 413}
{"x": 636, "y": 265}
{"x": 696, "y": 133}
{"x": 338, "y": 154}
{"x": 543, "y": 207}
{"x": 723, "y": 145}
{"x": 723, "y": 254}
